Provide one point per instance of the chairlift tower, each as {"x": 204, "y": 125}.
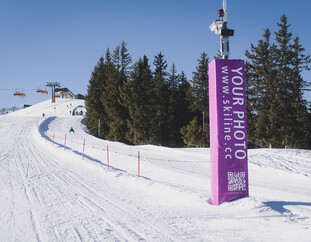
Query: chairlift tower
{"x": 220, "y": 27}
{"x": 53, "y": 85}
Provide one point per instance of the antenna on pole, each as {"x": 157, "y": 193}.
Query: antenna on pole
{"x": 224, "y": 5}
{"x": 220, "y": 27}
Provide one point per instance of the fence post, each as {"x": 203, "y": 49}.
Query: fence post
{"x": 65, "y": 143}
{"x": 138, "y": 163}
{"x": 108, "y": 156}
{"x": 83, "y": 149}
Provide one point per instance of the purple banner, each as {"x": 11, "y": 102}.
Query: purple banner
{"x": 228, "y": 130}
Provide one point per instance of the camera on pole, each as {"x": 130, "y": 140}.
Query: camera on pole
{"x": 219, "y": 26}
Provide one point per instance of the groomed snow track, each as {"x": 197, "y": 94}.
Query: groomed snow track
{"x": 51, "y": 194}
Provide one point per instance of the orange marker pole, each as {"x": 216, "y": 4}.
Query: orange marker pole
{"x": 83, "y": 149}
{"x": 138, "y": 164}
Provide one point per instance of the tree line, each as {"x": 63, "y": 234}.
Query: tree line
{"x": 278, "y": 114}
{"x": 144, "y": 103}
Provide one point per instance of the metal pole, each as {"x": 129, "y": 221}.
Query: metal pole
{"x": 53, "y": 94}
{"x": 220, "y": 27}
{"x": 224, "y": 40}
{"x": 225, "y": 11}
{"x": 53, "y": 85}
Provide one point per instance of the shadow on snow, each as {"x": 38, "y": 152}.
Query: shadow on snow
{"x": 279, "y": 206}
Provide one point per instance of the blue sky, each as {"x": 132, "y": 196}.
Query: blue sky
{"x": 44, "y": 41}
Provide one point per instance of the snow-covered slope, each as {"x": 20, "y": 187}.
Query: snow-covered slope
{"x": 49, "y": 192}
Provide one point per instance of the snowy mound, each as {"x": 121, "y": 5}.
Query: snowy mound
{"x": 61, "y": 186}
{"x": 61, "y": 107}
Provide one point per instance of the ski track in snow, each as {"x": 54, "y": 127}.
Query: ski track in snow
{"x": 48, "y": 194}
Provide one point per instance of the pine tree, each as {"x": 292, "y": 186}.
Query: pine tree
{"x": 108, "y": 57}
{"x": 122, "y": 59}
{"x": 139, "y": 98}
{"x": 192, "y": 134}
{"x": 184, "y": 99}
{"x": 162, "y": 95}
{"x": 111, "y": 105}
{"x": 275, "y": 88}
{"x": 261, "y": 91}
{"x": 111, "y": 99}
{"x": 125, "y": 59}
{"x": 201, "y": 95}
{"x": 252, "y": 116}
{"x": 95, "y": 110}
{"x": 173, "y": 122}
{"x": 116, "y": 58}
{"x": 291, "y": 61}
{"x": 299, "y": 113}
{"x": 283, "y": 59}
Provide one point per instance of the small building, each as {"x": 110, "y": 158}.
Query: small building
{"x": 26, "y": 105}
{"x": 64, "y": 93}
{"x": 79, "y": 96}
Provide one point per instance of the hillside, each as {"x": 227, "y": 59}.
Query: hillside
{"x": 52, "y": 191}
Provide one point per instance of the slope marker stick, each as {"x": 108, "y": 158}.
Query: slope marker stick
{"x": 83, "y": 149}
{"x": 108, "y": 156}
{"x": 138, "y": 163}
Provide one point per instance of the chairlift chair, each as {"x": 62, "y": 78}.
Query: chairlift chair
{"x": 22, "y": 94}
{"x": 16, "y": 93}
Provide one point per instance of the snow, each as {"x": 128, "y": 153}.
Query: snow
{"x": 48, "y": 193}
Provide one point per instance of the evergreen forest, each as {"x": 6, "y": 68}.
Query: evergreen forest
{"x": 149, "y": 102}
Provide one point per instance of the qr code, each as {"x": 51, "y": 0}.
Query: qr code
{"x": 236, "y": 181}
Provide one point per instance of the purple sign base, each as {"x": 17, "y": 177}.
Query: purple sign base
{"x": 228, "y": 130}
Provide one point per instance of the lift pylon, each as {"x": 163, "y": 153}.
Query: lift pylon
{"x": 53, "y": 85}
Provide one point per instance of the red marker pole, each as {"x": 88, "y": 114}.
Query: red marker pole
{"x": 138, "y": 164}
{"x": 65, "y": 142}
{"x": 108, "y": 156}
{"x": 83, "y": 149}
